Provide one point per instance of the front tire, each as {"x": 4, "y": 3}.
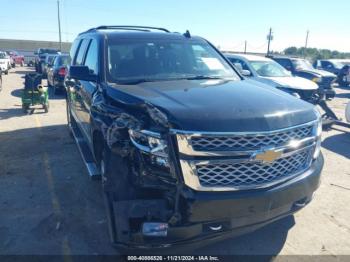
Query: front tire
{"x": 116, "y": 186}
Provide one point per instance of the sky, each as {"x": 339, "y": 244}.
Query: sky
{"x": 226, "y": 23}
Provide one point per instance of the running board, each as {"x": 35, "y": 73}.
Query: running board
{"x": 86, "y": 154}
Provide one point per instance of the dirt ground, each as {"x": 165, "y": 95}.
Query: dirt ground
{"x": 48, "y": 204}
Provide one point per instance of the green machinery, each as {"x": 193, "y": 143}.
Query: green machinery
{"x": 34, "y": 92}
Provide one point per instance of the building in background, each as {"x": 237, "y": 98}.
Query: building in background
{"x": 28, "y": 47}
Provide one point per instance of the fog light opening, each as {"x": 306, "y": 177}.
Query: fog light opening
{"x": 154, "y": 229}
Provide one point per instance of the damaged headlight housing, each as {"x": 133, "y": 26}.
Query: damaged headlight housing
{"x": 318, "y": 134}
{"x": 151, "y": 143}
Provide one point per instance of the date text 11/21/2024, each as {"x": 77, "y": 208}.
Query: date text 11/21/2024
{"x": 173, "y": 258}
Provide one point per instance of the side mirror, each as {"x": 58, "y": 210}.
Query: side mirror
{"x": 246, "y": 72}
{"x": 81, "y": 73}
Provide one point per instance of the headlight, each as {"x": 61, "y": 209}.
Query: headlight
{"x": 151, "y": 143}
{"x": 317, "y": 79}
{"x": 318, "y": 134}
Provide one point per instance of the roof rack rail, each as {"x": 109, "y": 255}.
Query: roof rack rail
{"x": 128, "y": 27}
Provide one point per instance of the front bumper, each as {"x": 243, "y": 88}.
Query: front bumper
{"x": 235, "y": 213}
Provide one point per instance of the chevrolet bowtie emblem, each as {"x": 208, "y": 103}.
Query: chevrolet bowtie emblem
{"x": 268, "y": 156}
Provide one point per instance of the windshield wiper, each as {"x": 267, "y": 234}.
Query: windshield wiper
{"x": 134, "y": 81}
{"x": 202, "y": 77}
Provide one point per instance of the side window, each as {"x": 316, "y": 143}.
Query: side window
{"x": 285, "y": 63}
{"x": 74, "y": 48}
{"x": 235, "y": 61}
{"x": 92, "y": 57}
{"x": 80, "y": 56}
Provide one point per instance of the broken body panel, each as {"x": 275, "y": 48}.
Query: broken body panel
{"x": 190, "y": 214}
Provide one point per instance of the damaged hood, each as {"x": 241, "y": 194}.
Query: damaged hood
{"x": 218, "y": 105}
{"x": 292, "y": 82}
{"x": 317, "y": 72}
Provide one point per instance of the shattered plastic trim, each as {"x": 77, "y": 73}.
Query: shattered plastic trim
{"x": 156, "y": 115}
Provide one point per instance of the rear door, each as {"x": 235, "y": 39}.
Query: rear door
{"x": 87, "y": 87}
{"x": 74, "y": 91}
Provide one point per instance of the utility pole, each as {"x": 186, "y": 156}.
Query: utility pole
{"x": 269, "y": 38}
{"x": 306, "y": 42}
{"x": 59, "y": 24}
{"x": 245, "y": 46}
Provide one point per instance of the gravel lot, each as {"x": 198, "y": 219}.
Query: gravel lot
{"x": 48, "y": 204}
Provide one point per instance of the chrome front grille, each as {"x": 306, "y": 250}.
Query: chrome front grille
{"x": 249, "y": 141}
{"x": 252, "y": 174}
{"x": 245, "y": 161}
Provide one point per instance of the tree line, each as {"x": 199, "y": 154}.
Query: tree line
{"x": 314, "y": 53}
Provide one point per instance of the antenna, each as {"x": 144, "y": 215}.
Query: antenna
{"x": 187, "y": 34}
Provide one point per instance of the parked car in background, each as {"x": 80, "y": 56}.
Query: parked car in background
{"x": 343, "y": 77}
{"x": 40, "y": 58}
{"x": 12, "y": 63}
{"x": 49, "y": 59}
{"x": 267, "y": 71}
{"x": 5, "y": 63}
{"x": 331, "y": 65}
{"x": 340, "y": 67}
{"x": 303, "y": 68}
{"x": 17, "y": 59}
{"x": 57, "y": 72}
{"x": 188, "y": 150}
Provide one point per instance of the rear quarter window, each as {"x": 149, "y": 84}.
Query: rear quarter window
{"x": 81, "y": 52}
{"x": 74, "y": 48}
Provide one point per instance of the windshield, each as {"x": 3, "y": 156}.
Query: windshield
{"x": 50, "y": 59}
{"x": 156, "y": 60}
{"x": 2, "y": 55}
{"x": 63, "y": 60}
{"x": 269, "y": 69}
{"x": 302, "y": 64}
{"x": 338, "y": 65}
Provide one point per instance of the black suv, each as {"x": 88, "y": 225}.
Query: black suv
{"x": 189, "y": 151}
{"x": 303, "y": 68}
